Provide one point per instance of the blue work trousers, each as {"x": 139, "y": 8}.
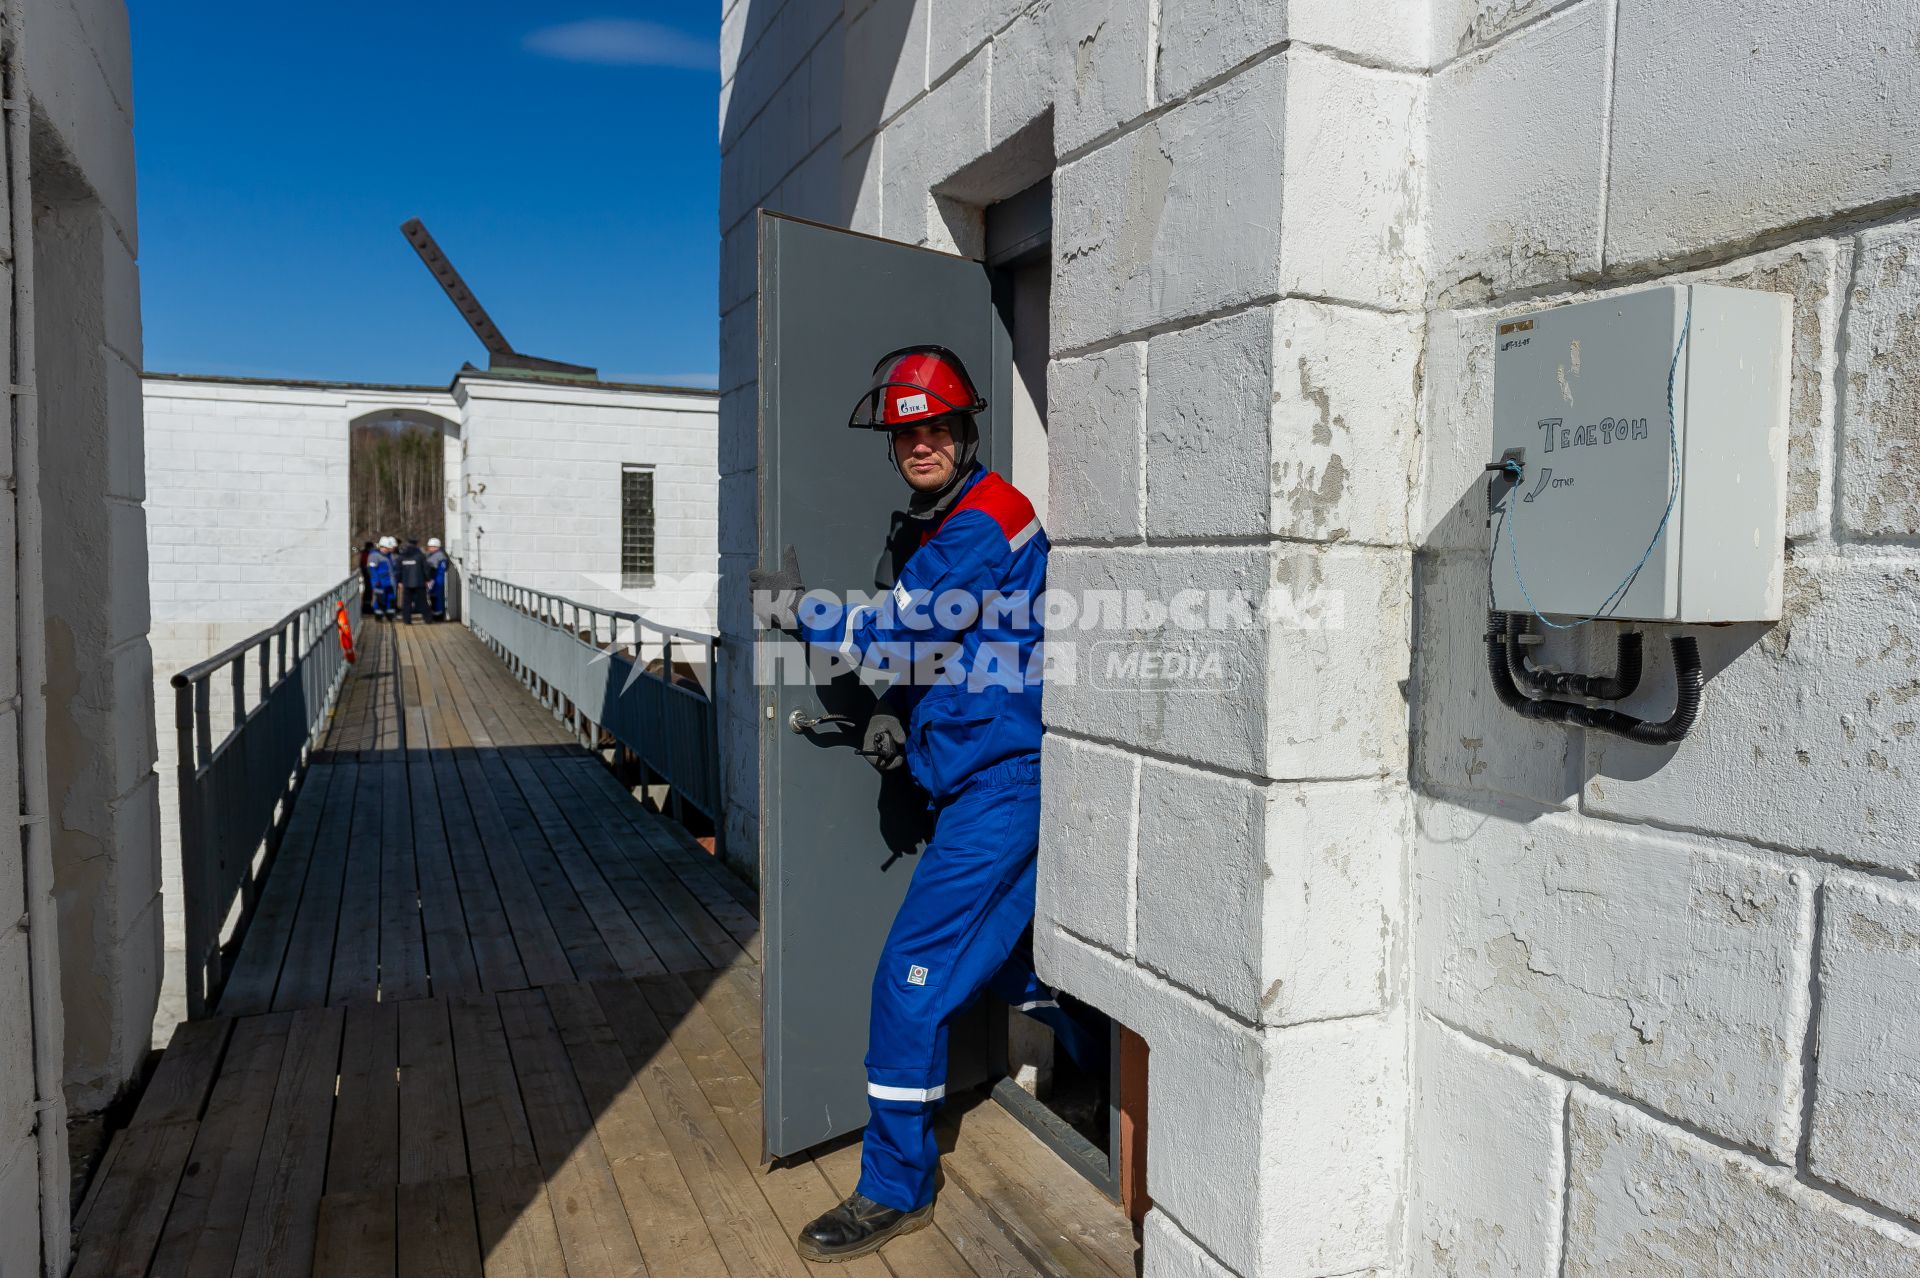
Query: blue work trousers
{"x": 961, "y": 930}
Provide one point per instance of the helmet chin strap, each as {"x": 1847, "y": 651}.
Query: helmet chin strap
{"x": 931, "y": 505}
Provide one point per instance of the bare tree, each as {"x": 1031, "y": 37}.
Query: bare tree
{"x": 395, "y": 481}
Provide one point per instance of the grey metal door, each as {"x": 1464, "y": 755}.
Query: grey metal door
{"x": 839, "y": 842}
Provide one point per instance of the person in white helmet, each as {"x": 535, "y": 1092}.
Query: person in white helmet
{"x": 384, "y": 599}
{"x": 436, "y": 581}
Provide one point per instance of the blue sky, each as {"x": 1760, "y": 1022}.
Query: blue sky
{"x": 564, "y": 155}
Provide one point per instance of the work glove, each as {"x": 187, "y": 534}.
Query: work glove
{"x": 776, "y": 592}
{"x": 884, "y": 743}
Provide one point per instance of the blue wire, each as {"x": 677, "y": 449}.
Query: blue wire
{"x": 1618, "y": 594}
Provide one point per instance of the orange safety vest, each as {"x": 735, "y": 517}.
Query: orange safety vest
{"x": 346, "y": 629}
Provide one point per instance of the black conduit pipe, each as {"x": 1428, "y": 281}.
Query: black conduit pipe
{"x": 1539, "y": 682}
{"x": 1689, "y": 681}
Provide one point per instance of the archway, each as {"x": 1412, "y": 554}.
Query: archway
{"x": 396, "y": 475}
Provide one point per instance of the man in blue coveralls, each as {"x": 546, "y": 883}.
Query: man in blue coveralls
{"x": 383, "y": 578}
{"x": 436, "y": 581}
{"x": 972, "y": 741}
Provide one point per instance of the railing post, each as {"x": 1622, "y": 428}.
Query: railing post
{"x": 715, "y": 799}
{"x": 203, "y": 720}
{"x": 675, "y": 782}
{"x": 239, "y": 669}
{"x": 191, "y": 850}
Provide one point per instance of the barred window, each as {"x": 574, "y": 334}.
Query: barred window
{"x": 636, "y": 527}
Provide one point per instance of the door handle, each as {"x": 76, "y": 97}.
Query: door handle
{"x": 801, "y": 721}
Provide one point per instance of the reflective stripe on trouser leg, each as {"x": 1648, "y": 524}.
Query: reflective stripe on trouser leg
{"x": 970, "y": 902}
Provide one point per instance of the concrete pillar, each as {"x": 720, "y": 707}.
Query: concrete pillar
{"x": 100, "y": 733}
{"x": 1237, "y": 337}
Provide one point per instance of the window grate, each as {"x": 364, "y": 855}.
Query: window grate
{"x": 636, "y": 527}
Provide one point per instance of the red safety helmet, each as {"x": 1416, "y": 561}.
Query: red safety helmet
{"x": 916, "y": 384}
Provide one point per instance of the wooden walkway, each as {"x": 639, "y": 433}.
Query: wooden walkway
{"x": 494, "y": 1017}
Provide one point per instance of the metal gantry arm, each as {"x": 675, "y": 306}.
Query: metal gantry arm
{"x": 500, "y": 353}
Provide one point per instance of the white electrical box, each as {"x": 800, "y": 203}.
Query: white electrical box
{"x": 1581, "y": 402}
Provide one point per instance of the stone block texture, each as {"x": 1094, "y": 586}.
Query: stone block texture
{"x": 1277, "y": 903}
{"x": 1203, "y": 40}
{"x": 1338, "y": 611}
{"x": 1429, "y": 988}
{"x": 1646, "y": 1198}
{"x": 1104, "y": 57}
{"x": 1172, "y": 1254}
{"x": 1866, "y": 1093}
{"x": 1089, "y": 833}
{"x": 1488, "y": 1141}
{"x": 1780, "y": 124}
{"x": 1671, "y": 971}
{"x": 1809, "y": 742}
{"x": 1097, "y": 412}
{"x": 1296, "y": 420}
{"x": 1510, "y": 204}
{"x": 1153, "y": 227}
{"x": 1465, "y": 742}
{"x": 1880, "y": 387}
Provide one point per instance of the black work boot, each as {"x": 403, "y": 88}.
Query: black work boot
{"x": 858, "y": 1227}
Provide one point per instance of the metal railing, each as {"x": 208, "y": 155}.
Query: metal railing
{"x": 234, "y": 791}
{"x": 599, "y": 669}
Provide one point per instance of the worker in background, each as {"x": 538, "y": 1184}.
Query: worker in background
{"x": 436, "y": 580}
{"x": 382, "y": 574}
{"x": 974, "y": 745}
{"x": 410, "y": 571}
{"x": 363, "y": 564}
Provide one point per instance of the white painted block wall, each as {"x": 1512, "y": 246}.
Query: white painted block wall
{"x": 73, "y": 298}
{"x": 1669, "y": 982}
{"x": 1575, "y": 1006}
{"x": 540, "y": 490}
{"x": 246, "y": 498}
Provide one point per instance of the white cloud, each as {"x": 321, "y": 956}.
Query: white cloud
{"x": 629, "y": 42}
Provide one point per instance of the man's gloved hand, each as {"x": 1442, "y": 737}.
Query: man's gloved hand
{"x": 776, "y": 592}
{"x": 884, "y": 743}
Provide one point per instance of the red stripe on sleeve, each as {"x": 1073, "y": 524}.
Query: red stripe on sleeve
{"x": 996, "y": 498}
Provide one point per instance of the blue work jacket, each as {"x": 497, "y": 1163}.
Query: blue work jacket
{"x": 382, "y": 565}
{"x": 972, "y": 699}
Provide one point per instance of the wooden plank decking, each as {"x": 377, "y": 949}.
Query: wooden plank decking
{"x": 493, "y": 1016}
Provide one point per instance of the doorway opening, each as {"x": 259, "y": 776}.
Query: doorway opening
{"x": 397, "y": 475}
{"x": 396, "y": 484}
{"x": 1095, "y": 1119}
